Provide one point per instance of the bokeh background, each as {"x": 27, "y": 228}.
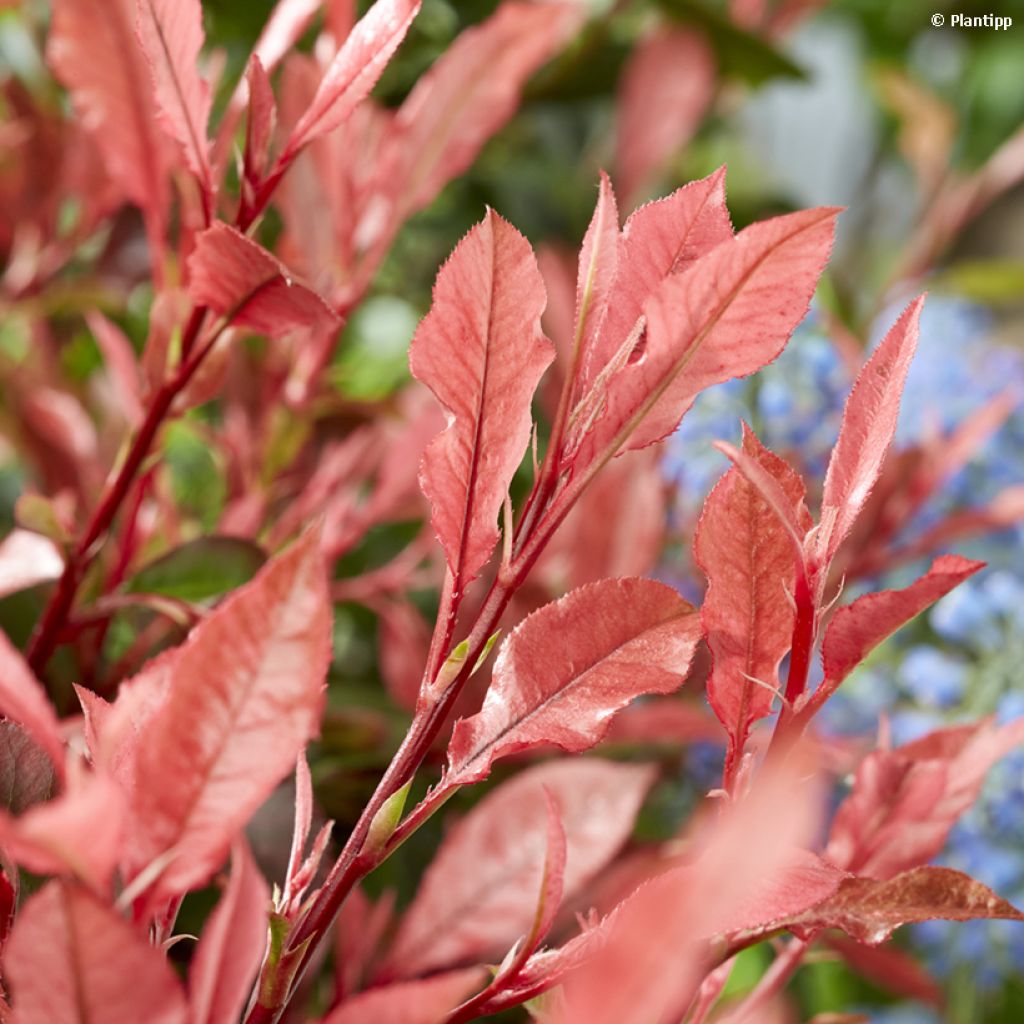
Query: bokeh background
{"x": 862, "y": 103}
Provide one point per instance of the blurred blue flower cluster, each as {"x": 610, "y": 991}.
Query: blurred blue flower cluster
{"x": 961, "y": 660}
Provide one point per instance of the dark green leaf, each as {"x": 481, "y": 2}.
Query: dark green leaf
{"x": 200, "y": 569}
{"x": 740, "y": 54}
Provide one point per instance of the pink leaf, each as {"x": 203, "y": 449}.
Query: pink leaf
{"x": 481, "y": 352}
{"x": 800, "y": 881}
{"x": 259, "y": 128}
{"x": 354, "y": 71}
{"x": 122, "y": 364}
{"x": 245, "y": 695}
{"x": 26, "y": 559}
{"x": 748, "y": 558}
{"x": 281, "y": 31}
{"x": 857, "y": 628}
{"x": 410, "y": 1002}
{"x": 667, "y": 86}
{"x": 171, "y": 33}
{"x": 871, "y": 910}
{"x": 239, "y": 279}
{"x": 905, "y": 801}
{"x": 469, "y": 93}
{"x": 617, "y": 528}
{"x": 113, "y": 732}
{"x": 656, "y": 947}
{"x": 231, "y": 946}
{"x": 23, "y": 700}
{"x": 597, "y": 272}
{"x": 552, "y": 882}
{"x": 549, "y": 900}
{"x": 79, "y": 832}
{"x": 772, "y": 493}
{"x": 731, "y": 313}
{"x": 565, "y": 671}
{"x": 93, "y": 50}
{"x": 869, "y": 422}
{"x": 479, "y": 894}
{"x": 660, "y": 239}
{"x": 403, "y": 638}
{"x": 72, "y": 960}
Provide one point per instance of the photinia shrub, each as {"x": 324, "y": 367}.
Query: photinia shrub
{"x": 175, "y": 673}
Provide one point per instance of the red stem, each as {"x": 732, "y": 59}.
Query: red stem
{"x": 804, "y": 629}
{"x": 351, "y": 865}
{"x": 48, "y": 629}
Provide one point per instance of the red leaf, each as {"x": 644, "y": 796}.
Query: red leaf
{"x": 617, "y": 528}
{"x": 410, "y": 1002}
{"x": 548, "y": 902}
{"x": 122, "y": 365}
{"x": 659, "y": 239}
{"x": 469, "y": 93}
{"x": 403, "y": 639}
{"x": 26, "y": 771}
{"x": 799, "y": 882}
{"x": 666, "y": 87}
{"x": 245, "y": 695}
{"x": 27, "y": 558}
{"x": 747, "y": 556}
{"x": 113, "y": 732}
{"x": 358, "y": 931}
{"x": 259, "y": 128}
{"x": 905, "y": 801}
{"x": 281, "y": 31}
{"x": 79, "y": 832}
{"x": 871, "y": 910}
{"x": 552, "y": 882}
{"x": 597, "y": 273}
{"x": 23, "y": 700}
{"x": 731, "y": 313}
{"x": 354, "y": 71}
{"x": 171, "y": 33}
{"x": 93, "y": 50}
{"x": 565, "y": 671}
{"x": 72, "y": 960}
{"x": 478, "y": 895}
{"x": 665, "y": 720}
{"x": 859, "y": 627}
{"x": 869, "y": 422}
{"x": 481, "y": 352}
{"x": 231, "y": 946}
{"x": 239, "y": 279}
{"x": 656, "y": 943}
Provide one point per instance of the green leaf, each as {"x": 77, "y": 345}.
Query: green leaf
{"x": 200, "y": 569}
{"x": 992, "y": 282}
{"x": 740, "y": 54}
{"x": 386, "y": 820}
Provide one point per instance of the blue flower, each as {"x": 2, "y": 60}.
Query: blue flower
{"x": 933, "y": 677}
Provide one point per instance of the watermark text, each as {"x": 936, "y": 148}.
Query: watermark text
{"x": 994, "y": 21}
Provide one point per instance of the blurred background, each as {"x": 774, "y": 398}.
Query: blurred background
{"x": 919, "y": 131}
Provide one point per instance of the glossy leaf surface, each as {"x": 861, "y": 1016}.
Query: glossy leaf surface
{"x": 245, "y": 694}
{"x": 480, "y": 893}
{"x": 567, "y": 669}
{"x": 481, "y": 352}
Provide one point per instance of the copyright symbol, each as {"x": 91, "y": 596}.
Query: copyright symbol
{"x": 938, "y": 20}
